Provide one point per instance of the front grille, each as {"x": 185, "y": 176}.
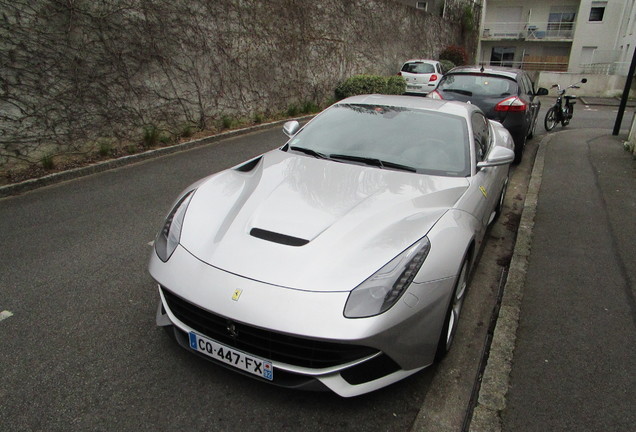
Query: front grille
{"x": 270, "y": 345}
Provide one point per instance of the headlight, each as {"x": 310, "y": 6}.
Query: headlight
{"x": 386, "y": 286}
{"x": 168, "y": 238}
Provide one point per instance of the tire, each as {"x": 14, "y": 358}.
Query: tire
{"x": 568, "y": 111}
{"x": 550, "y": 119}
{"x": 520, "y": 144}
{"x": 453, "y": 313}
{"x": 532, "y": 128}
{"x": 500, "y": 203}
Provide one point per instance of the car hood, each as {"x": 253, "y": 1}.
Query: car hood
{"x": 312, "y": 224}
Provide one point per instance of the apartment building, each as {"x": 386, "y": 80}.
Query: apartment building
{"x": 574, "y": 36}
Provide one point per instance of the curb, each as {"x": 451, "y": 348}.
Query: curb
{"x": 31, "y": 184}
{"x": 496, "y": 377}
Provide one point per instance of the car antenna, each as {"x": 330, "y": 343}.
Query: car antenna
{"x": 482, "y": 68}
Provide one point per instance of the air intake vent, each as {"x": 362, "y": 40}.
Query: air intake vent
{"x": 277, "y": 237}
{"x": 264, "y": 343}
{"x": 249, "y": 166}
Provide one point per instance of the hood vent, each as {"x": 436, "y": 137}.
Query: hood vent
{"x": 249, "y": 166}
{"x": 277, "y": 237}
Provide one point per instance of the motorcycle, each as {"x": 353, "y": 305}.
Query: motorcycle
{"x": 559, "y": 112}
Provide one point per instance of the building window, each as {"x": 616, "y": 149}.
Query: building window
{"x": 561, "y": 21}
{"x": 598, "y": 10}
{"x": 502, "y": 56}
{"x": 421, "y": 5}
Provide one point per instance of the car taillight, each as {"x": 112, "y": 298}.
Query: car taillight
{"x": 434, "y": 95}
{"x": 511, "y": 104}
{"x": 433, "y": 78}
{"x": 399, "y": 73}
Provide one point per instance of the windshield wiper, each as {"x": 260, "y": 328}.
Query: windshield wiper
{"x": 309, "y": 152}
{"x": 460, "y": 91}
{"x": 373, "y": 161}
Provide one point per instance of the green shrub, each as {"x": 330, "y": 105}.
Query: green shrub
{"x": 105, "y": 148}
{"x": 309, "y": 107}
{"x": 165, "y": 139}
{"x": 455, "y": 54}
{"x": 259, "y": 118}
{"x": 446, "y": 65}
{"x": 151, "y": 136}
{"x": 227, "y": 122}
{"x": 187, "y": 130}
{"x": 370, "y": 84}
{"x": 47, "y": 162}
{"x": 395, "y": 85}
{"x": 468, "y": 19}
{"x": 293, "y": 110}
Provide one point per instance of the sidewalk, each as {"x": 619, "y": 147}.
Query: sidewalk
{"x": 563, "y": 356}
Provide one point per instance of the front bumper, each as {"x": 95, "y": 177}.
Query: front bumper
{"x": 368, "y": 353}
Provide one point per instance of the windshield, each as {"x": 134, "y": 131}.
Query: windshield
{"x": 479, "y": 85}
{"x": 388, "y": 137}
{"x": 418, "y": 68}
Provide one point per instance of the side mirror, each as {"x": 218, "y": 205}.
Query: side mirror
{"x": 291, "y": 127}
{"x": 497, "y": 156}
{"x": 541, "y": 91}
{"x": 584, "y": 80}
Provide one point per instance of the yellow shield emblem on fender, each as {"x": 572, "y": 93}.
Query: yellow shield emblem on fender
{"x": 237, "y": 294}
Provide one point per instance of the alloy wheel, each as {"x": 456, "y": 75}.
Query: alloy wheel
{"x": 456, "y": 304}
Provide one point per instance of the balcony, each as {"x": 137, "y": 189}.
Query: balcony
{"x": 529, "y": 31}
{"x": 536, "y": 63}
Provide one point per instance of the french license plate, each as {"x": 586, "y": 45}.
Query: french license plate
{"x": 238, "y": 359}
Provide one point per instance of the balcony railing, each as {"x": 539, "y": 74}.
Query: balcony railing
{"x": 538, "y": 63}
{"x": 528, "y": 31}
{"x": 614, "y": 68}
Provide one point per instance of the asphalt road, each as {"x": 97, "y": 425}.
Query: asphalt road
{"x": 81, "y": 350}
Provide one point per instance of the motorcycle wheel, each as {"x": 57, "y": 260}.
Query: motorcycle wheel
{"x": 567, "y": 115}
{"x": 550, "y": 119}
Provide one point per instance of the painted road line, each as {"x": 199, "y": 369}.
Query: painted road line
{"x": 5, "y": 314}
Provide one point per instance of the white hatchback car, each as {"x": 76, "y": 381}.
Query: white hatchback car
{"x": 421, "y": 76}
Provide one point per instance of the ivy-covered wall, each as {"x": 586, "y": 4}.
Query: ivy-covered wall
{"x": 75, "y": 72}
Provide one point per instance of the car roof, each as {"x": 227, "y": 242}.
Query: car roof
{"x": 489, "y": 70}
{"x": 421, "y": 61}
{"x": 413, "y": 102}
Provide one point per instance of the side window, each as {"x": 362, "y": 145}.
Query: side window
{"x": 527, "y": 85}
{"x": 481, "y": 135}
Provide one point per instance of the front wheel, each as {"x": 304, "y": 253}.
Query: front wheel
{"x": 452, "y": 315}
{"x": 550, "y": 119}
{"x": 567, "y": 115}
